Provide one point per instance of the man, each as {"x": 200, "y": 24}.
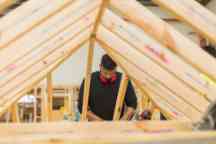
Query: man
{"x": 103, "y": 93}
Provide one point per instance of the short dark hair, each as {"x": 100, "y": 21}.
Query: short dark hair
{"x": 108, "y": 63}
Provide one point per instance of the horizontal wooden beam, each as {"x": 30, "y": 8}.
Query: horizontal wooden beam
{"x": 136, "y": 14}
{"x": 124, "y": 132}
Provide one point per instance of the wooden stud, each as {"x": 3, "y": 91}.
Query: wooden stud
{"x": 120, "y": 97}
{"x": 90, "y": 60}
{"x": 15, "y": 113}
{"x": 35, "y": 93}
{"x": 50, "y": 95}
{"x": 44, "y": 105}
{"x": 135, "y": 13}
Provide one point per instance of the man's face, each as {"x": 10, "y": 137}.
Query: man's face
{"x": 107, "y": 73}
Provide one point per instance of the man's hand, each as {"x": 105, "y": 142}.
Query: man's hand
{"x": 129, "y": 114}
{"x": 92, "y": 117}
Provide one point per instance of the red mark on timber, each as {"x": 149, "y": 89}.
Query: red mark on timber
{"x": 11, "y": 67}
{"x": 44, "y": 62}
{"x": 175, "y": 113}
{"x": 160, "y": 55}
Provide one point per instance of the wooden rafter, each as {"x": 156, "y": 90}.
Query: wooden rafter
{"x": 159, "y": 54}
{"x": 135, "y": 13}
{"x": 161, "y": 101}
{"x": 120, "y": 97}
{"x": 101, "y": 11}
{"x": 50, "y": 95}
{"x": 194, "y": 14}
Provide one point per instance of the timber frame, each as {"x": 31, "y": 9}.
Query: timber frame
{"x": 165, "y": 65}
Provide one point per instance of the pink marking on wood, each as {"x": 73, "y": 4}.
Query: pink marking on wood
{"x": 11, "y": 67}
{"x": 160, "y": 55}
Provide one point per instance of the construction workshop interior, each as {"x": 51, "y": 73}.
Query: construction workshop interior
{"x": 107, "y": 71}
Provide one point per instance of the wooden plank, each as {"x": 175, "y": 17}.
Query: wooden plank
{"x": 51, "y": 10}
{"x": 120, "y": 97}
{"x": 47, "y": 31}
{"x": 167, "y": 104}
{"x": 87, "y": 83}
{"x": 4, "y": 4}
{"x": 159, "y": 54}
{"x": 50, "y": 95}
{"x": 137, "y": 14}
{"x": 124, "y": 132}
{"x": 15, "y": 113}
{"x": 44, "y": 105}
{"x": 67, "y": 127}
{"x": 41, "y": 70}
{"x": 35, "y": 105}
{"x": 20, "y": 13}
{"x": 43, "y": 52}
{"x": 153, "y": 70}
{"x": 192, "y": 12}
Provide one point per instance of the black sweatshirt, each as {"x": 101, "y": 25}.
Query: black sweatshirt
{"x": 102, "y": 98}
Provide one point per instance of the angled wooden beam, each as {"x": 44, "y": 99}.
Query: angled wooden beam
{"x": 135, "y": 13}
{"x": 163, "y": 57}
{"x": 4, "y": 4}
{"x": 53, "y": 9}
{"x": 53, "y": 46}
{"x": 41, "y": 70}
{"x": 194, "y": 14}
{"x": 48, "y": 31}
{"x": 50, "y": 95}
{"x": 147, "y": 66}
{"x": 170, "y": 103}
{"x": 101, "y": 11}
{"x": 120, "y": 97}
